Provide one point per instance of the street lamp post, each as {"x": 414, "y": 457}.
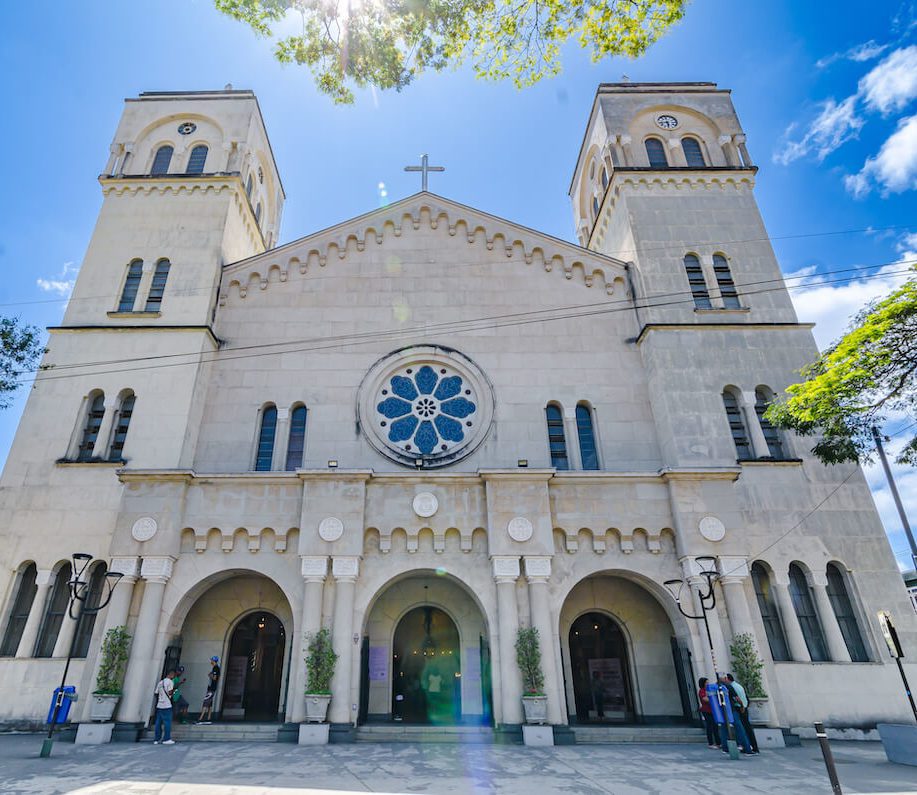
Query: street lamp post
{"x": 79, "y": 595}
{"x": 707, "y": 598}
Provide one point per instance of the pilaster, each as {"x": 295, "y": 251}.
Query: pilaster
{"x": 506, "y": 573}
{"x": 538, "y": 573}
{"x": 837, "y": 646}
{"x": 345, "y": 571}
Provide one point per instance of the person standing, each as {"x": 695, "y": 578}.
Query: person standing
{"x": 163, "y": 727}
{"x": 743, "y": 713}
{"x": 213, "y": 679}
{"x": 729, "y": 695}
{"x": 179, "y": 702}
{"x": 598, "y": 695}
{"x": 706, "y": 712}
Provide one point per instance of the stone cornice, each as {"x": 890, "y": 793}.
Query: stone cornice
{"x": 540, "y": 475}
{"x": 700, "y": 473}
{"x": 648, "y": 327}
{"x": 122, "y": 328}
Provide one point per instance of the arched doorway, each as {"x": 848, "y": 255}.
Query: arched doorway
{"x": 600, "y": 670}
{"x": 426, "y": 668}
{"x": 254, "y": 668}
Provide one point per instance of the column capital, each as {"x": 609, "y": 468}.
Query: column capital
{"x": 625, "y": 140}
{"x": 537, "y": 568}
{"x": 127, "y": 567}
{"x": 732, "y": 569}
{"x": 314, "y": 567}
{"x": 818, "y": 579}
{"x": 44, "y": 577}
{"x": 673, "y": 143}
{"x": 691, "y": 568}
{"x": 740, "y": 138}
{"x": 505, "y": 568}
{"x": 157, "y": 569}
{"x": 724, "y": 139}
{"x": 345, "y": 569}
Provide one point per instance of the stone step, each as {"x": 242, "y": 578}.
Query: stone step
{"x": 222, "y": 732}
{"x": 600, "y": 735}
{"x": 424, "y": 734}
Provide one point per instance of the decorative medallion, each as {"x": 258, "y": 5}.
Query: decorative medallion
{"x": 425, "y": 406}
{"x": 186, "y": 128}
{"x": 330, "y": 528}
{"x": 712, "y": 528}
{"x": 666, "y": 121}
{"x": 520, "y": 529}
{"x": 425, "y": 504}
{"x": 144, "y": 528}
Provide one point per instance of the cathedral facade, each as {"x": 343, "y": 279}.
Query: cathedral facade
{"x": 427, "y": 427}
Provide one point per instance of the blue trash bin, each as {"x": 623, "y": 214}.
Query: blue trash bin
{"x": 69, "y": 698}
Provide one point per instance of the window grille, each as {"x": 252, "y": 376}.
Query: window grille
{"x": 55, "y": 612}
{"x": 158, "y": 286}
{"x": 737, "y": 426}
{"x": 655, "y": 152}
{"x": 91, "y": 429}
{"x": 196, "y": 160}
{"x": 697, "y": 282}
{"x": 773, "y": 628}
{"x": 125, "y": 412}
{"x": 162, "y": 160}
{"x": 846, "y": 618}
{"x": 19, "y": 614}
{"x": 693, "y": 154}
{"x": 131, "y": 285}
{"x": 725, "y": 283}
{"x": 771, "y": 434}
{"x": 297, "y": 438}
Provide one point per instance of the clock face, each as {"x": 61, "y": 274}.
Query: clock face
{"x": 667, "y": 122}
{"x": 186, "y": 128}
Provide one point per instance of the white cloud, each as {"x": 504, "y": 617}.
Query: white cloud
{"x": 892, "y": 84}
{"x": 859, "y": 53}
{"x": 894, "y": 168}
{"x": 836, "y": 123}
{"x": 62, "y": 284}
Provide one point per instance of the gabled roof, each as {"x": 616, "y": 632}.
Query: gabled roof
{"x": 408, "y": 215}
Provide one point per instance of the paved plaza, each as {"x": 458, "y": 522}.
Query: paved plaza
{"x": 277, "y": 769}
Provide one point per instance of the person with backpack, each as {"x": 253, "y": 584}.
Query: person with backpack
{"x": 163, "y": 695}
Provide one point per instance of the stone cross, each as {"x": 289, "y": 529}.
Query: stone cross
{"x": 424, "y": 168}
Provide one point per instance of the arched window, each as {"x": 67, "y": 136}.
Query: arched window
{"x": 249, "y": 184}
{"x": 196, "y": 160}
{"x": 586, "y": 435}
{"x": 697, "y": 282}
{"x": 776, "y": 640}
{"x": 804, "y": 606}
{"x": 737, "y": 426}
{"x": 94, "y": 417}
{"x": 19, "y": 613}
{"x": 771, "y": 434}
{"x": 595, "y": 205}
{"x": 655, "y": 152}
{"x": 843, "y": 610}
{"x": 604, "y": 178}
{"x": 258, "y": 213}
{"x": 162, "y": 160}
{"x": 693, "y": 154}
{"x": 122, "y": 422}
{"x": 158, "y": 286}
{"x": 557, "y": 441}
{"x": 131, "y": 285}
{"x": 88, "y": 620}
{"x": 297, "y": 442}
{"x": 266, "y": 434}
{"x": 55, "y": 613}
{"x": 725, "y": 283}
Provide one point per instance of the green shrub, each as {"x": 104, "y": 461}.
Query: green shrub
{"x": 320, "y": 662}
{"x": 114, "y": 661}
{"x": 528, "y": 658}
{"x": 747, "y": 665}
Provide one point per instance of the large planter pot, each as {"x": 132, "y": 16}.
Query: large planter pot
{"x": 317, "y": 707}
{"x": 536, "y": 709}
{"x": 900, "y": 742}
{"x": 758, "y": 711}
{"x": 102, "y": 706}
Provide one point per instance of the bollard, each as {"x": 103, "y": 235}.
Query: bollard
{"x": 829, "y": 758}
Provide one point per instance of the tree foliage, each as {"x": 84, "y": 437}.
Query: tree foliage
{"x": 20, "y": 350}
{"x": 320, "y": 662}
{"x": 869, "y": 375}
{"x": 528, "y": 658}
{"x": 113, "y": 665}
{"x": 387, "y": 43}
{"x": 747, "y": 665}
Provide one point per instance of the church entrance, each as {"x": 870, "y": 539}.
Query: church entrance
{"x": 254, "y": 669}
{"x": 599, "y": 669}
{"x": 426, "y": 668}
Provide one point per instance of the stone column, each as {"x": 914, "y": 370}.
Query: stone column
{"x": 756, "y": 435}
{"x": 141, "y": 673}
{"x": 628, "y": 150}
{"x": 65, "y": 634}
{"x": 118, "y": 608}
{"x": 538, "y": 572}
{"x": 103, "y": 437}
{"x": 574, "y": 458}
{"x": 506, "y": 572}
{"x": 143, "y": 289}
{"x": 618, "y": 152}
{"x": 281, "y": 440}
{"x": 837, "y": 646}
{"x": 44, "y": 579}
{"x": 314, "y": 570}
{"x": 739, "y": 141}
{"x": 729, "y": 150}
{"x": 794, "y": 637}
{"x": 733, "y": 573}
{"x": 345, "y": 571}
{"x": 128, "y": 153}
{"x": 713, "y": 288}
{"x": 697, "y": 585}
{"x": 114, "y": 151}
{"x": 676, "y": 153}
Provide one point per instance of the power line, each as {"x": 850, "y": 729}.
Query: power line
{"x": 456, "y": 327}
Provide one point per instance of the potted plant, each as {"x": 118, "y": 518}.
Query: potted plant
{"x": 111, "y": 674}
{"x": 747, "y": 667}
{"x": 320, "y": 663}
{"x": 528, "y": 658}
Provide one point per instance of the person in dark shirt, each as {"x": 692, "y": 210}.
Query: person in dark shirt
{"x": 213, "y": 679}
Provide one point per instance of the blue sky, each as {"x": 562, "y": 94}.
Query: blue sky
{"x": 828, "y": 101}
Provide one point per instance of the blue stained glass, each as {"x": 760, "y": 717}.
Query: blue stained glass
{"x": 404, "y": 387}
{"x": 426, "y": 379}
{"x": 402, "y": 429}
{"x": 448, "y": 387}
{"x": 449, "y": 429}
{"x": 393, "y": 407}
{"x": 458, "y": 407}
{"x": 426, "y": 437}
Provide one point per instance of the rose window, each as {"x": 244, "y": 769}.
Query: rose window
{"x": 426, "y": 410}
